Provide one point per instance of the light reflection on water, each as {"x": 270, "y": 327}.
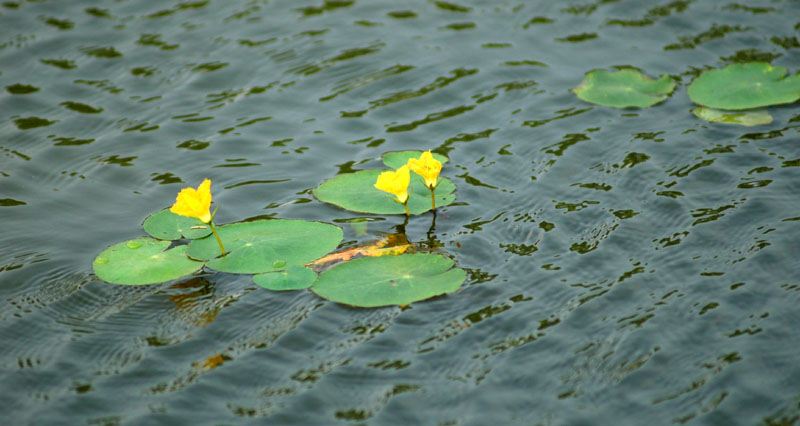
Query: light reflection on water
{"x": 621, "y": 263}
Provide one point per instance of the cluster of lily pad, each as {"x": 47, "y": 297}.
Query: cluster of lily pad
{"x": 734, "y": 94}
{"x": 288, "y": 254}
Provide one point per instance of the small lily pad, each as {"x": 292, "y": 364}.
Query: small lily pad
{"x": 745, "y": 86}
{"x": 293, "y": 278}
{"x": 356, "y": 192}
{"x": 166, "y": 225}
{"x": 398, "y": 159}
{"x": 266, "y": 245}
{"x": 744, "y": 118}
{"x": 143, "y": 261}
{"x": 389, "y": 280}
{"x": 624, "y": 88}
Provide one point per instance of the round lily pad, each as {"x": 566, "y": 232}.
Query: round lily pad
{"x": 624, "y": 88}
{"x": 293, "y": 278}
{"x": 166, "y": 225}
{"x": 398, "y": 159}
{"x": 389, "y": 280}
{"x": 745, "y": 86}
{"x": 745, "y": 118}
{"x": 143, "y": 261}
{"x": 266, "y": 245}
{"x": 356, "y": 192}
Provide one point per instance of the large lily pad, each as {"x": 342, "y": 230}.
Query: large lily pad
{"x": 744, "y": 118}
{"x": 266, "y": 245}
{"x": 166, "y": 225}
{"x": 356, "y": 192}
{"x": 389, "y": 280}
{"x": 293, "y": 278}
{"x": 745, "y": 86}
{"x": 397, "y": 159}
{"x": 624, "y": 88}
{"x": 143, "y": 261}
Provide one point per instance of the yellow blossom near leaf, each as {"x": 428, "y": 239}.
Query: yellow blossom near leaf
{"x": 194, "y": 202}
{"x": 395, "y": 183}
{"x": 427, "y": 167}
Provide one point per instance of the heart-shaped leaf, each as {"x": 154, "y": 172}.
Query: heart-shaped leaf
{"x": 624, "y": 88}
{"x": 166, "y": 225}
{"x": 745, "y": 86}
{"x": 266, "y": 245}
{"x": 293, "y": 278}
{"x": 389, "y": 280}
{"x": 143, "y": 261}
{"x": 356, "y": 192}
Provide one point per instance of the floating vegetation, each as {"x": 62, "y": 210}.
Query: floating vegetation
{"x": 625, "y": 88}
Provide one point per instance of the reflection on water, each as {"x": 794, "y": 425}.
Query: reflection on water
{"x": 621, "y": 263}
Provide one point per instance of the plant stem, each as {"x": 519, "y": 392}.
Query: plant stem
{"x": 406, "y": 206}
{"x": 219, "y": 241}
{"x": 433, "y": 201}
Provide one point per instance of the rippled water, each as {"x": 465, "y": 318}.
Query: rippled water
{"x": 622, "y": 265}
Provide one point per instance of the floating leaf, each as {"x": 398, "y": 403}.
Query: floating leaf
{"x": 356, "y": 192}
{"x": 266, "y": 245}
{"x": 745, "y": 118}
{"x": 389, "y": 280}
{"x": 624, "y": 88}
{"x": 398, "y": 159}
{"x": 166, "y": 225}
{"x": 293, "y": 278}
{"x": 143, "y": 261}
{"x": 745, "y": 86}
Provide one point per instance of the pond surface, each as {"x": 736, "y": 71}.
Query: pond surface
{"x": 622, "y": 264}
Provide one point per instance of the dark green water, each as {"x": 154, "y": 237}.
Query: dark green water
{"x": 625, "y": 266}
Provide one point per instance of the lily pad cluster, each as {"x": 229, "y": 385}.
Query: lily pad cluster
{"x": 356, "y": 191}
{"x": 281, "y": 255}
{"x": 733, "y": 94}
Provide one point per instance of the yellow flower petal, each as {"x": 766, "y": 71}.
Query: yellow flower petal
{"x": 427, "y": 167}
{"x": 194, "y": 202}
{"x": 395, "y": 183}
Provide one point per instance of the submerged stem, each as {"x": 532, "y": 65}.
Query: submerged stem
{"x": 219, "y": 241}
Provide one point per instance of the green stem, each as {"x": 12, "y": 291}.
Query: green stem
{"x": 406, "y": 206}
{"x": 433, "y": 201}
{"x": 219, "y": 241}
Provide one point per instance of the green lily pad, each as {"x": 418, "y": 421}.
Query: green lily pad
{"x": 356, "y": 192}
{"x": 745, "y": 86}
{"x": 143, "y": 261}
{"x": 624, "y": 88}
{"x": 293, "y": 278}
{"x": 166, "y": 225}
{"x": 266, "y": 245}
{"x": 745, "y": 118}
{"x": 398, "y": 159}
{"x": 389, "y": 280}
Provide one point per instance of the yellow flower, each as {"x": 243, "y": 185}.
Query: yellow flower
{"x": 395, "y": 183}
{"x": 427, "y": 167}
{"x": 194, "y": 203}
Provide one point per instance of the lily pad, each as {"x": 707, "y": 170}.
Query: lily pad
{"x": 266, "y": 245}
{"x": 397, "y": 159}
{"x": 389, "y": 280}
{"x": 293, "y": 278}
{"x": 356, "y": 192}
{"x": 166, "y": 225}
{"x": 745, "y": 86}
{"x": 745, "y": 118}
{"x": 143, "y": 261}
{"x": 624, "y": 88}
